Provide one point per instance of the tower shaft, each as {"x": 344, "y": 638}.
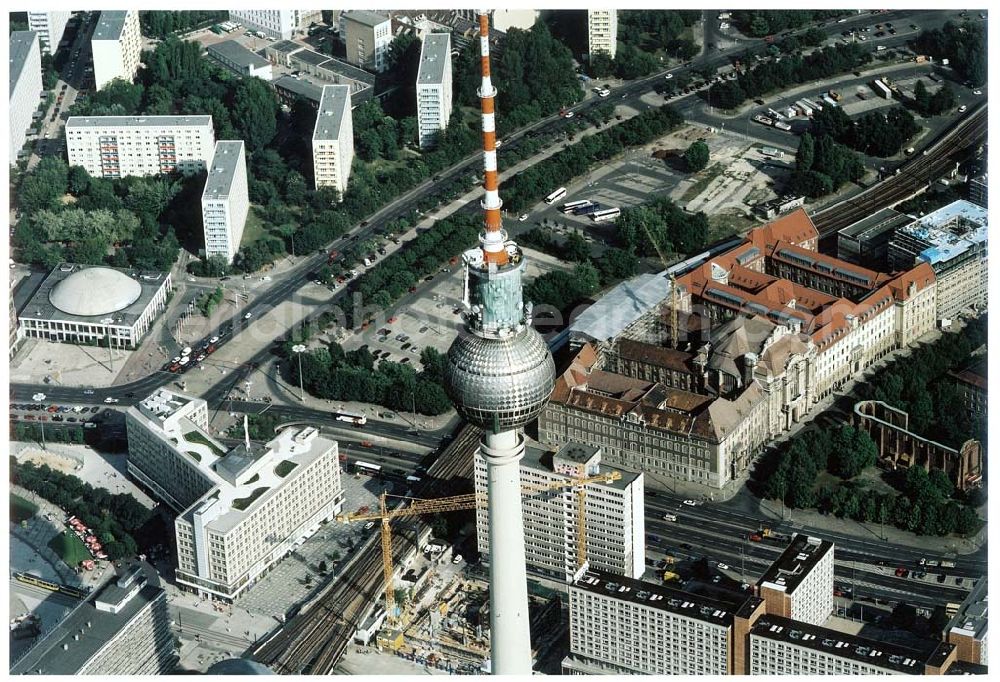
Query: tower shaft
{"x": 493, "y": 238}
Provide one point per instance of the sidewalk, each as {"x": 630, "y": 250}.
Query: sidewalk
{"x": 36, "y": 534}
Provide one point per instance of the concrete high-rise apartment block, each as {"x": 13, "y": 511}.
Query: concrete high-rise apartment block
{"x": 614, "y": 514}
{"x": 433, "y": 88}
{"x": 799, "y": 584}
{"x": 225, "y": 200}
{"x": 333, "y": 139}
{"x": 117, "y": 146}
{"x": 277, "y": 24}
{"x": 116, "y": 46}
{"x": 124, "y": 629}
{"x": 968, "y": 629}
{"x": 367, "y": 35}
{"x": 602, "y": 32}
{"x": 25, "y": 87}
{"x": 782, "y": 646}
{"x": 240, "y": 510}
{"x": 620, "y": 626}
{"x": 50, "y": 27}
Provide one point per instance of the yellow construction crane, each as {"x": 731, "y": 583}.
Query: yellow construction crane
{"x": 674, "y": 296}
{"x": 419, "y": 507}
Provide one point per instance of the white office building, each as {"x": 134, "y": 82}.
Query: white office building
{"x": 25, "y": 87}
{"x": 225, "y": 201}
{"x": 277, "y": 24}
{"x": 116, "y": 46}
{"x": 118, "y": 146}
{"x": 620, "y": 626}
{"x": 367, "y": 35}
{"x": 433, "y": 88}
{"x": 602, "y": 32}
{"x": 50, "y": 27}
{"x": 333, "y": 139}
{"x": 238, "y": 59}
{"x": 242, "y": 509}
{"x": 614, "y": 514}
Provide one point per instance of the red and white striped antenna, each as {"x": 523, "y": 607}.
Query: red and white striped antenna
{"x": 493, "y": 237}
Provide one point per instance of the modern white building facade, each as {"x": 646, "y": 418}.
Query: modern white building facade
{"x": 367, "y": 35}
{"x": 277, "y": 24}
{"x": 433, "y": 88}
{"x": 118, "y": 146}
{"x": 614, "y": 514}
{"x": 252, "y": 504}
{"x": 333, "y": 139}
{"x": 50, "y": 27}
{"x": 225, "y": 201}
{"x": 25, "y": 87}
{"x": 799, "y": 584}
{"x": 602, "y": 31}
{"x": 116, "y": 46}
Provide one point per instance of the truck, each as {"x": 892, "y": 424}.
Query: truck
{"x": 881, "y": 89}
{"x": 829, "y": 100}
{"x": 834, "y": 95}
{"x": 763, "y": 119}
{"x": 804, "y": 108}
{"x": 814, "y": 104}
{"x": 947, "y": 564}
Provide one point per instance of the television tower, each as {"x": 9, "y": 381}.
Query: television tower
{"x": 499, "y": 375}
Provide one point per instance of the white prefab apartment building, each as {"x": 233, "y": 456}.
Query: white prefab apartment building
{"x": 225, "y": 201}
{"x": 602, "y": 31}
{"x": 799, "y": 584}
{"x": 118, "y": 146}
{"x": 50, "y": 27}
{"x": 433, "y": 88}
{"x": 614, "y": 514}
{"x": 241, "y": 510}
{"x": 367, "y": 35}
{"x": 116, "y": 45}
{"x": 277, "y": 24}
{"x": 25, "y": 87}
{"x": 620, "y": 626}
{"x": 333, "y": 139}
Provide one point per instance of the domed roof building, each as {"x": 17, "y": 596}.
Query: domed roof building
{"x": 95, "y": 304}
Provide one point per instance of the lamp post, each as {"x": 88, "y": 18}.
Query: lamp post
{"x": 298, "y": 350}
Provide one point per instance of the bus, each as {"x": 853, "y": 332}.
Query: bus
{"x": 556, "y": 196}
{"x": 351, "y": 418}
{"x": 573, "y": 205}
{"x": 587, "y": 210}
{"x": 367, "y": 469}
{"x": 605, "y": 215}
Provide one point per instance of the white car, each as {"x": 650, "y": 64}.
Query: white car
{"x": 89, "y": 391}
{"x": 962, "y": 109}
{"x": 110, "y": 401}
{"x": 569, "y": 114}
{"x": 248, "y": 316}
{"x": 38, "y": 396}
{"x": 604, "y": 93}
{"x": 669, "y": 517}
{"x": 691, "y": 503}
{"x": 668, "y": 76}
{"x": 457, "y": 559}
{"x": 522, "y": 217}
{"x": 977, "y": 92}
{"x": 369, "y": 525}
{"x": 722, "y": 567}
{"x": 214, "y": 339}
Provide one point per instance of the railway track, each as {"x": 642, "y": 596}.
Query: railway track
{"x": 912, "y": 177}
{"x": 314, "y": 640}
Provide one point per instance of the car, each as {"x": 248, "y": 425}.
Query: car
{"x": 962, "y": 109}
{"x": 38, "y": 396}
{"x": 57, "y": 418}
{"x": 691, "y": 503}
{"x": 428, "y": 278}
{"x": 369, "y": 525}
{"x": 902, "y": 572}
{"x": 716, "y": 580}
{"x": 405, "y": 361}
{"x": 95, "y": 409}
{"x": 248, "y": 316}
{"x": 722, "y": 567}
{"x": 89, "y": 391}
{"x": 941, "y": 577}
{"x": 200, "y": 358}
{"x": 110, "y": 401}
{"x": 521, "y": 218}
{"x": 685, "y": 545}
{"x": 959, "y": 580}
{"x": 30, "y": 417}
{"x": 52, "y": 408}
{"x": 668, "y": 76}
{"x": 71, "y": 419}
{"x": 977, "y": 92}
{"x": 412, "y": 289}
{"x": 570, "y": 114}
{"x": 457, "y": 559}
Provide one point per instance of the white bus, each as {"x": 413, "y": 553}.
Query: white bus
{"x": 605, "y": 215}
{"x": 367, "y": 469}
{"x": 556, "y": 196}
{"x": 571, "y": 206}
{"x": 351, "y": 418}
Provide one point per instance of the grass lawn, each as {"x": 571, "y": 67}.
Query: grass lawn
{"x": 705, "y": 178}
{"x": 21, "y": 509}
{"x": 253, "y": 230}
{"x": 70, "y": 548}
{"x": 195, "y": 437}
{"x": 728, "y": 224}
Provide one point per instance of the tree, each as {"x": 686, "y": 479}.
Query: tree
{"x": 78, "y": 180}
{"x": 806, "y": 154}
{"x": 921, "y": 98}
{"x": 255, "y": 112}
{"x": 322, "y": 567}
{"x": 696, "y": 156}
{"x": 576, "y": 248}
{"x": 618, "y": 264}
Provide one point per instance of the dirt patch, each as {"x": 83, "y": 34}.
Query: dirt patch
{"x": 57, "y": 462}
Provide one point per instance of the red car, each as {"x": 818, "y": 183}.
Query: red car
{"x": 755, "y": 537}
